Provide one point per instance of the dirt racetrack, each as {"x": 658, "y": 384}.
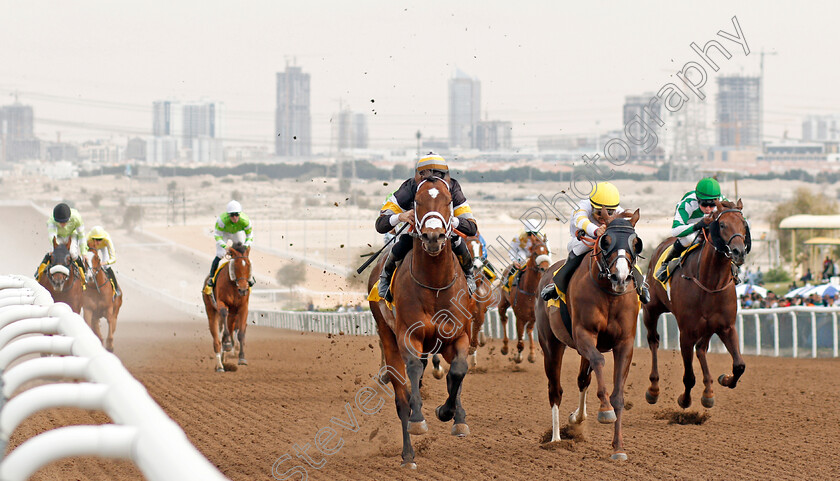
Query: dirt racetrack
{"x": 781, "y": 422}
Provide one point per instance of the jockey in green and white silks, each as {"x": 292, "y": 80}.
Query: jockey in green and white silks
{"x": 691, "y": 215}
{"x": 66, "y": 223}
{"x": 232, "y": 226}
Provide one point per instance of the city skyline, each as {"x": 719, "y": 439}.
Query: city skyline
{"x": 546, "y": 76}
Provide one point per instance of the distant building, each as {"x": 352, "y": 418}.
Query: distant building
{"x": 821, "y": 128}
{"x": 293, "y": 121}
{"x": 565, "y": 142}
{"x": 637, "y": 106}
{"x": 17, "y": 134}
{"x": 101, "y": 152}
{"x": 350, "y": 130}
{"x": 59, "y": 151}
{"x": 166, "y": 118}
{"x": 738, "y": 112}
{"x": 160, "y": 150}
{"x": 493, "y": 135}
{"x": 464, "y": 110}
{"x": 135, "y": 149}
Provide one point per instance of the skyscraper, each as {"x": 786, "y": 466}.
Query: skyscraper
{"x": 293, "y": 122}
{"x": 201, "y": 119}
{"x": 350, "y": 130}
{"x": 738, "y": 112}
{"x": 17, "y": 133}
{"x": 493, "y": 135}
{"x": 821, "y": 127}
{"x": 464, "y": 110}
{"x": 162, "y": 118}
{"x": 637, "y": 105}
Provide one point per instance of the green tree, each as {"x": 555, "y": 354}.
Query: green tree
{"x": 291, "y": 275}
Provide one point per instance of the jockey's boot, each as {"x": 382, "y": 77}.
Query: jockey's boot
{"x": 213, "y": 267}
{"x": 517, "y": 277}
{"x": 641, "y": 285}
{"x": 110, "y": 272}
{"x": 386, "y": 275}
{"x": 736, "y": 272}
{"x": 465, "y": 259}
{"x": 43, "y": 263}
{"x": 81, "y": 263}
{"x": 662, "y": 272}
{"x": 561, "y": 279}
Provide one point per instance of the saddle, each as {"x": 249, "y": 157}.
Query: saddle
{"x": 674, "y": 264}
{"x": 512, "y": 277}
{"x": 209, "y": 290}
{"x": 374, "y": 296}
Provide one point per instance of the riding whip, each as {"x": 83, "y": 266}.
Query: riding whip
{"x": 374, "y": 256}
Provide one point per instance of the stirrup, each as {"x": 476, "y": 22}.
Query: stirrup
{"x": 251, "y": 282}
{"x": 384, "y": 287}
{"x": 644, "y": 294}
{"x": 470, "y": 282}
{"x": 549, "y": 292}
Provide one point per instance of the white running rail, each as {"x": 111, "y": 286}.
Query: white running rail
{"x": 143, "y": 433}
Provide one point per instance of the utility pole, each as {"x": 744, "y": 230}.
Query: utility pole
{"x": 418, "y": 135}
{"x": 761, "y": 97}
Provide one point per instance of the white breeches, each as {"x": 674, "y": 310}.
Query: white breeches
{"x": 578, "y": 247}
{"x": 687, "y": 240}
{"x": 74, "y": 246}
{"x": 229, "y": 240}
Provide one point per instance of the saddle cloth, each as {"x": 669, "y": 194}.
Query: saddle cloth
{"x": 209, "y": 290}
{"x": 673, "y": 265}
{"x": 374, "y": 296}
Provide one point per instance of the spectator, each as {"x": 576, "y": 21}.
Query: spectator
{"x": 759, "y": 277}
{"x": 807, "y": 277}
{"x": 310, "y": 306}
{"x": 828, "y": 268}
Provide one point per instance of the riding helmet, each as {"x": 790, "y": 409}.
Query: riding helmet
{"x": 708, "y": 189}
{"x": 605, "y": 195}
{"x": 233, "y": 207}
{"x": 61, "y": 213}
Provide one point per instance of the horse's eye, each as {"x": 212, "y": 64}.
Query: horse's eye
{"x": 722, "y": 225}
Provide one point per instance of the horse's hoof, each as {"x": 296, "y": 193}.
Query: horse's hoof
{"x": 460, "y": 430}
{"x": 243, "y": 362}
{"x": 441, "y": 417}
{"x": 532, "y": 358}
{"x": 220, "y": 369}
{"x": 606, "y": 417}
{"x": 417, "y": 427}
{"x": 482, "y": 339}
{"x": 504, "y": 350}
{"x": 650, "y": 398}
{"x": 384, "y": 379}
{"x": 574, "y": 420}
{"x": 437, "y": 373}
{"x": 518, "y": 358}
{"x": 683, "y": 401}
{"x": 707, "y": 402}
{"x": 228, "y": 346}
{"x": 619, "y": 456}
{"x": 109, "y": 348}
{"x": 722, "y": 380}
{"x": 409, "y": 465}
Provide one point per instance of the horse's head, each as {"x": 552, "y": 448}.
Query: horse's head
{"x": 618, "y": 249}
{"x": 95, "y": 261}
{"x": 60, "y": 267}
{"x": 239, "y": 267}
{"x": 474, "y": 245}
{"x": 540, "y": 255}
{"x": 433, "y": 214}
{"x": 730, "y": 232}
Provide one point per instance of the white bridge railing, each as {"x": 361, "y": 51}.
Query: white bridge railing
{"x": 143, "y": 433}
{"x": 785, "y": 331}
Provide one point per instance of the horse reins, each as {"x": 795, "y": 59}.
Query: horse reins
{"x": 436, "y": 289}
{"x": 232, "y": 270}
{"x": 603, "y": 267}
{"x": 727, "y": 254}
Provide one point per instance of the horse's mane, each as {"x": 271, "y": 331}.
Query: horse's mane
{"x": 620, "y": 222}
{"x": 238, "y": 247}
{"x": 728, "y": 204}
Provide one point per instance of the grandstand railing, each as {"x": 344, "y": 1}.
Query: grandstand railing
{"x": 142, "y": 432}
{"x": 785, "y": 331}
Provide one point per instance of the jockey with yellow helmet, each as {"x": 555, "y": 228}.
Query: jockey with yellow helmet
{"x": 399, "y": 207}
{"x": 98, "y": 240}
{"x": 587, "y": 222}
{"x": 231, "y": 226}
{"x": 521, "y": 247}
{"x": 693, "y": 214}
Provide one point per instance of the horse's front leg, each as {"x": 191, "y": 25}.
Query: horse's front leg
{"x": 708, "y": 398}
{"x": 729, "y": 336}
{"x": 111, "y": 317}
{"x": 503, "y": 306}
{"x": 622, "y": 355}
{"x": 651, "y": 319}
{"x": 456, "y": 355}
{"x": 583, "y": 380}
{"x": 241, "y": 325}
{"x": 520, "y": 334}
{"x": 224, "y": 313}
{"x": 532, "y": 351}
{"x": 414, "y": 369}
{"x": 687, "y": 351}
{"x": 586, "y": 345}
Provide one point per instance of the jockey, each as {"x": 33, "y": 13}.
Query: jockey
{"x": 587, "y": 222}
{"x": 399, "y": 208}
{"x": 521, "y": 247}
{"x": 99, "y": 240}
{"x": 693, "y": 214}
{"x": 227, "y": 231}
{"x": 67, "y": 223}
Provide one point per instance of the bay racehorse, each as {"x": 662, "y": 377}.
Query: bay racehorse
{"x": 62, "y": 277}
{"x": 100, "y": 300}
{"x": 603, "y": 308}
{"x": 703, "y": 300}
{"x": 227, "y": 306}
{"x": 522, "y": 298}
{"x": 432, "y": 312}
{"x": 485, "y": 298}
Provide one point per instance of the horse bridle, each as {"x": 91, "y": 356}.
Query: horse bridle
{"x": 96, "y": 270}
{"x": 725, "y": 248}
{"x": 232, "y": 270}
{"x": 70, "y": 267}
{"x": 600, "y": 256}
{"x": 433, "y": 214}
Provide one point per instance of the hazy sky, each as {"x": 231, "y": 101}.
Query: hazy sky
{"x": 91, "y": 68}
